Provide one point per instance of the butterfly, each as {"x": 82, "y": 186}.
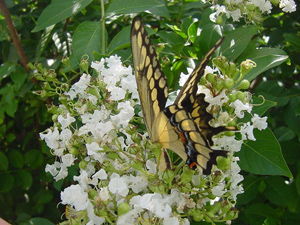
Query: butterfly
{"x": 182, "y": 127}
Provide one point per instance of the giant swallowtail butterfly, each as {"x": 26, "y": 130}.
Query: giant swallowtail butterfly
{"x": 182, "y": 127}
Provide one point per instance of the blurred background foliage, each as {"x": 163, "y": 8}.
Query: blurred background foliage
{"x": 30, "y": 196}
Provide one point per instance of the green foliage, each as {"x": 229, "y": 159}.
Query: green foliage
{"x": 71, "y": 28}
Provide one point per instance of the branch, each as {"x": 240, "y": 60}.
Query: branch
{"x": 15, "y": 37}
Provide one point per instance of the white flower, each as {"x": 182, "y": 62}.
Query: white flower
{"x": 75, "y": 196}
{"x": 82, "y": 179}
{"x": 117, "y": 93}
{"x": 287, "y": 5}
{"x": 247, "y": 132}
{"x": 171, "y": 221}
{"x": 93, "y": 148}
{"x": 138, "y": 183}
{"x": 265, "y": 6}
{"x": 104, "y": 194}
{"x": 235, "y": 14}
{"x": 67, "y": 160}
{"x": 155, "y": 203}
{"x": 53, "y": 168}
{"x": 51, "y": 138}
{"x": 65, "y": 135}
{"x": 259, "y": 123}
{"x": 101, "y": 175}
{"x": 183, "y": 77}
{"x": 219, "y": 100}
{"x": 117, "y": 185}
{"x": 80, "y": 86}
{"x": 219, "y": 190}
{"x": 228, "y": 143}
{"x": 125, "y": 115}
{"x": 239, "y": 107}
{"x": 65, "y": 122}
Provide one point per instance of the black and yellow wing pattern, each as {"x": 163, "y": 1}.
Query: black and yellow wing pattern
{"x": 182, "y": 127}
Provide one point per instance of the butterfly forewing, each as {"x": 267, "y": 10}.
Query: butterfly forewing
{"x": 187, "y": 94}
{"x": 151, "y": 82}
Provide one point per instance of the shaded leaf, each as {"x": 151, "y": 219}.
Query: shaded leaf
{"x": 157, "y": 7}
{"x": 3, "y": 162}
{"x": 265, "y": 58}
{"x": 16, "y": 158}
{"x": 86, "y": 39}
{"x": 59, "y": 10}
{"x": 23, "y": 179}
{"x": 7, "y": 182}
{"x": 251, "y": 189}
{"x": 121, "y": 40}
{"x": 263, "y": 156}
{"x": 236, "y": 41}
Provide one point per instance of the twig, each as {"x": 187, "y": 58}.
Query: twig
{"x": 15, "y": 37}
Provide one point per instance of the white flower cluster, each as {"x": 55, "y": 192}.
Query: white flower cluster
{"x": 118, "y": 181}
{"x": 250, "y": 9}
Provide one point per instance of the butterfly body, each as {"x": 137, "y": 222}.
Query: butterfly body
{"x": 182, "y": 127}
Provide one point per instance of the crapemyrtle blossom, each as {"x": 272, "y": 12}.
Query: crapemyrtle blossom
{"x": 98, "y": 126}
{"x": 251, "y": 10}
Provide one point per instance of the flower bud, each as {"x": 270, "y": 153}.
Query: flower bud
{"x": 73, "y": 150}
{"x": 219, "y": 20}
{"x": 240, "y": 95}
{"x": 245, "y": 84}
{"x": 123, "y": 208}
{"x": 84, "y": 64}
{"x": 232, "y": 97}
{"x": 247, "y": 66}
{"x": 83, "y": 164}
{"x": 224, "y": 163}
{"x": 198, "y": 216}
{"x": 251, "y": 7}
{"x": 228, "y": 83}
{"x": 210, "y": 78}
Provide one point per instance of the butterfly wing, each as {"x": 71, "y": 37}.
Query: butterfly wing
{"x": 188, "y": 92}
{"x": 151, "y": 82}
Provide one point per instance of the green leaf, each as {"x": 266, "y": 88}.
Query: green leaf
{"x": 23, "y": 179}
{"x": 59, "y": 10}
{"x": 284, "y": 134}
{"x": 278, "y": 192}
{"x": 265, "y": 58}
{"x": 271, "y": 90}
{"x": 7, "y": 182}
{"x": 236, "y": 41}
{"x": 157, "y": 7}
{"x": 251, "y": 189}
{"x": 12, "y": 107}
{"x": 173, "y": 40}
{"x": 121, "y": 40}
{"x": 261, "y": 106}
{"x": 33, "y": 158}
{"x": 19, "y": 76}
{"x": 3, "y": 162}
{"x": 209, "y": 35}
{"x": 263, "y": 156}
{"x": 44, "y": 40}
{"x": 290, "y": 150}
{"x": 40, "y": 221}
{"x": 43, "y": 197}
{"x": 16, "y": 159}
{"x": 257, "y": 213}
{"x": 293, "y": 120}
{"x": 86, "y": 39}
